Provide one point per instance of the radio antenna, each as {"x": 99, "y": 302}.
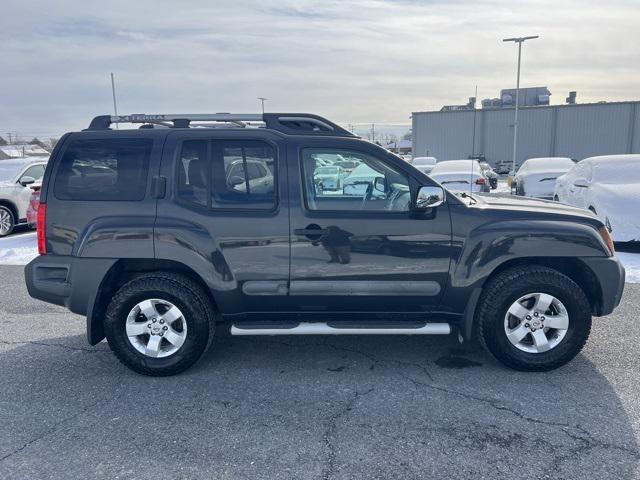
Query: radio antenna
{"x": 473, "y": 140}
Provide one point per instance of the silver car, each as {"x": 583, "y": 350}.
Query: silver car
{"x": 17, "y": 178}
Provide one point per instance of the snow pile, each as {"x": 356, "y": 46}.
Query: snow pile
{"x": 631, "y": 262}
{"x": 18, "y": 249}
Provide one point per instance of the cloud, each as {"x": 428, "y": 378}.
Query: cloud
{"x": 353, "y": 61}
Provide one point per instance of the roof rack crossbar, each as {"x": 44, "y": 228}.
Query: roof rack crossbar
{"x": 289, "y": 123}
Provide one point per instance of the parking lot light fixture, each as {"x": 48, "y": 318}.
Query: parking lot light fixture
{"x": 519, "y": 41}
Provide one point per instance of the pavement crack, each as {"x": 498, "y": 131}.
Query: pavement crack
{"x": 55, "y": 426}
{"x": 329, "y": 433}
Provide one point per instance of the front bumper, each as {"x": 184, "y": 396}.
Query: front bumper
{"x": 610, "y": 275}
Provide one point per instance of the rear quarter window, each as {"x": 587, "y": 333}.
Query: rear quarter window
{"x": 113, "y": 169}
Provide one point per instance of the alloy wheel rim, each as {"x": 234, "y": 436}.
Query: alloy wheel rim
{"x": 156, "y": 328}
{"x": 5, "y": 222}
{"x": 536, "y": 322}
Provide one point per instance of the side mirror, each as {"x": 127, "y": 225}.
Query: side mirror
{"x": 580, "y": 183}
{"x": 380, "y": 184}
{"x": 24, "y": 181}
{"x": 429, "y": 197}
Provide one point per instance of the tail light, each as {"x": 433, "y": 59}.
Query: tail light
{"x": 41, "y": 229}
{"x": 481, "y": 181}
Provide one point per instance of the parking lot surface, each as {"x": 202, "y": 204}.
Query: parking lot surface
{"x": 311, "y": 408}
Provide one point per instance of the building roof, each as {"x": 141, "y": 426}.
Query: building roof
{"x": 17, "y": 151}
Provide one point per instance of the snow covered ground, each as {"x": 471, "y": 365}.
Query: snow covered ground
{"x": 20, "y": 249}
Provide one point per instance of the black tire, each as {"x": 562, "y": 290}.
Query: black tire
{"x": 180, "y": 291}
{"x": 504, "y": 289}
{"x": 6, "y": 213}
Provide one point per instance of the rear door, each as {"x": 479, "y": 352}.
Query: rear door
{"x": 225, "y": 215}
{"x": 360, "y": 248}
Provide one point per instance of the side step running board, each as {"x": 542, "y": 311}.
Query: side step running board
{"x": 324, "y": 329}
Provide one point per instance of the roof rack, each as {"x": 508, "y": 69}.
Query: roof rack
{"x": 289, "y": 123}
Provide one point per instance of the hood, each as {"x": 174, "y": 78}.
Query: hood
{"x": 531, "y": 205}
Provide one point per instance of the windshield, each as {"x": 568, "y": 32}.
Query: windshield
{"x": 424, "y": 161}
{"x": 326, "y": 170}
{"x": 456, "y": 166}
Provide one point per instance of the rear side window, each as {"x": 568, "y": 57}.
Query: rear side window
{"x": 112, "y": 169}
{"x": 228, "y": 174}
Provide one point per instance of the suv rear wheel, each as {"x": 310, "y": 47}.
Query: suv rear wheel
{"x": 7, "y": 222}
{"x": 159, "y": 324}
{"x": 533, "y": 318}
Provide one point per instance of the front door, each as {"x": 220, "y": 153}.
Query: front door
{"x": 355, "y": 243}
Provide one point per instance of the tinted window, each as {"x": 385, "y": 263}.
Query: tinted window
{"x": 369, "y": 183}
{"x": 109, "y": 169}
{"x": 228, "y": 174}
{"x": 245, "y": 176}
{"x": 193, "y": 171}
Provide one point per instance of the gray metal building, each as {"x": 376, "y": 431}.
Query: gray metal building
{"x": 576, "y": 131}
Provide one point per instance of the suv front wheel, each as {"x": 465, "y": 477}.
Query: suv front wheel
{"x": 533, "y": 318}
{"x": 159, "y": 324}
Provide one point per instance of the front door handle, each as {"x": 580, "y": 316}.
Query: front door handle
{"x": 312, "y": 231}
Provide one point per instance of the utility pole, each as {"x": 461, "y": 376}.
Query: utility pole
{"x": 262, "y": 100}
{"x": 10, "y": 138}
{"x": 113, "y": 93}
{"x": 519, "y": 41}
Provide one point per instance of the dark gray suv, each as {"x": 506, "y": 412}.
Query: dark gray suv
{"x": 191, "y": 223}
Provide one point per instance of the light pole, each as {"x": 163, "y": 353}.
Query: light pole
{"x": 519, "y": 41}
{"x": 113, "y": 93}
{"x": 262, "y": 99}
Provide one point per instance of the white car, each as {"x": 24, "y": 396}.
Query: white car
{"x": 17, "y": 176}
{"x": 609, "y": 186}
{"x": 424, "y": 164}
{"x": 460, "y": 175}
{"x": 537, "y": 176}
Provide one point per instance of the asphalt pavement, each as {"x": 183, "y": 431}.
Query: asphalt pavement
{"x": 311, "y": 408}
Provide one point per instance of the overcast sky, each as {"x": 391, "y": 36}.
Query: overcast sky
{"x": 352, "y": 61}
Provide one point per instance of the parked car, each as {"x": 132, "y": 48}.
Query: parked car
{"x": 17, "y": 176}
{"x": 489, "y": 173}
{"x": 329, "y": 178}
{"x": 32, "y": 209}
{"x": 537, "y": 176}
{"x": 424, "y": 164}
{"x": 460, "y": 176}
{"x": 504, "y": 167}
{"x": 126, "y": 238}
{"x": 361, "y": 180}
{"x": 609, "y": 186}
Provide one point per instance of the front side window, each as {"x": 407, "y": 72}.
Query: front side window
{"x": 353, "y": 181}
{"x": 228, "y": 174}
{"x": 112, "y": 169}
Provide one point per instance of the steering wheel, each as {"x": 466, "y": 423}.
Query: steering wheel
{"x": 367, "y": 195}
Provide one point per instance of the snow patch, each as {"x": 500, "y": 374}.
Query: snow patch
{"x": 18, "y": 249}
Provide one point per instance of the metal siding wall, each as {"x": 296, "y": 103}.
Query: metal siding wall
{"x": 588, "y": 130}
{"x": 498, "y": 141}
{"x": 581, "y": 131}
{"x": 635, "y": 147}
{"x": 446, "y": 135}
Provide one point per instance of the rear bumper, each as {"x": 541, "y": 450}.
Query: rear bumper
{"x": 610, "y": 275}
{"x": 68, "y": 281}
